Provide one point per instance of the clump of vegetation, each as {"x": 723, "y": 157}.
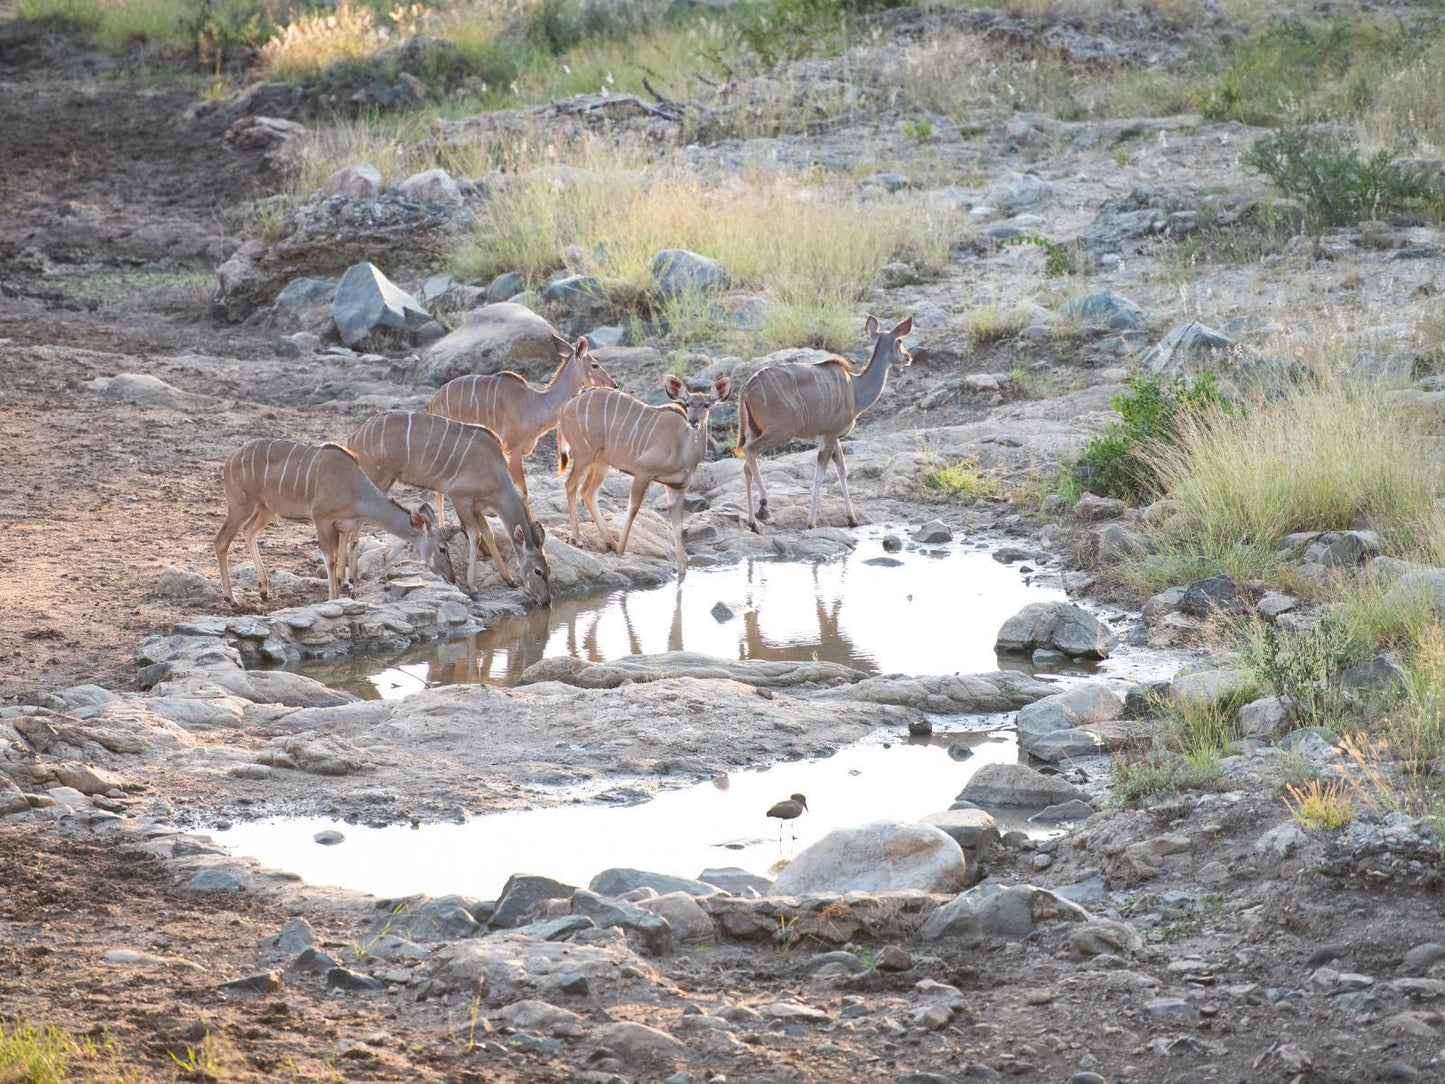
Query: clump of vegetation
{"x": 1319, "y": 806}
{"x": 962, "y": 479}
{"x": 992, "y": 322}
{"x": 1137, "y": 780}
{"x": 1414, "y": 728}
{"x": 921, "y": 130}
{"x": 45, "y": 1054}
{"x": 1124, "y": 460}
{"x": 1057, "y": 260}
{"x": 1337, "y": 186}
{"x": 1306, "y": 667}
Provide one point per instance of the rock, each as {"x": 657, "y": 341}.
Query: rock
{"x": 442, "y": 919}
{"x": 1093, "y": 507}
{"x": 992, "y": 911}
{"x": 300, "y": 295}
{"x": 690, "y": 924}
{"x": 920, "y": 727}
{"x": 1422, "y": 958}
{"x": 678, "y": 271}
{"x": 1104, "y": 937}
{"x": 1017, "y": 786}
{"x": 934, "y": 531}
{"x": 521, "y": 893}
{"x": 892, "y": 543}
{"x": 722, "y": 613}
{"x": 1358, "y": 1002}
{"x": 506, "y": 286}
{"x": 540, "y": 1017}
{"x": 824, "y": 959}
{"x": 1344, "y": 548}
{"x": 1087, "y": 1078}
{"x": 1281, "y": 841}
{"x": 1061, "y": 625}
{"x": 329, "y": 838}
{"x": 575, "y": 984}
{"x": 1205, "y": 687}
{"x": 635, "y": 1043}
{"x": 295, "y": 937}
{"x": 1380, "y": 676}
{"x": 1398, "y": 1072}
{"x": 299, "y": 345}
{"x": 972, "y": 829}
{"x": 922, "y": 1078}
{"x": 1188, "y": 348}
{"x": 342, "y": 978}
{"x": 1090, "y": 702}
{"x": 1273, "y": 604}
{"x": 268, "y": 982}
{"x": 360, "y": 181}
{"x": 367, "y": 302}
{"x": 214, "y": 880}
{"x": 882, "y": 856}
{"x": 653, "y": 931}
{"x": 738, "y": 882}
{"x": 1267, "y": 719}
{"x": 12, "y": 798}
{"x": 1062, "y": 813}
{"x": 1215, "y": 595}
{"x": 1105, "y": 309}
{"x": 932, "y": 1017}
{"x": 1150, "y": 857}
{"x": 1014, "y": 192}
{"x": 618, "y": 882}
{"x": 431, "y": 186}
{"x": 310, "y": 959}
{"x": 1117, "y": 542}
{"x": 87, "y": 780}
{"x": 491, "y": 339}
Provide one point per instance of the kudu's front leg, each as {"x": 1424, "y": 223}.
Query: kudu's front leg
{"x": 634, "y": 505}
{"x": 675, "y": 504}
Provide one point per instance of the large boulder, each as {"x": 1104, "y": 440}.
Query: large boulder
{"x": 884, "y": 856}
{"x": 1017, "y": 786}
{"x": 678, "y": 271}
{"x": 620, "y": 881}
{"x": 1419, "y": 587}
{"x": 1000, "y": 912}
{"x": 690, "y": 924}
{"x": 359, "y": 181}
{"x": 492, "y": 339}
{"x": 1014, "y": 192}
{"x": 1189, "y": 348}
{"x": 1105, "y": 309}
{"x": 431, "y": 186}
{"x": 1091, "y": 702}
{"x": 1062, "y": 626}
{"x": 521, "y": 894}
{"x": 367, "y": 302}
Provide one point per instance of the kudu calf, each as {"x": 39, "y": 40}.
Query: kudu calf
{"x": 602, "y": 429}
{"x": 466, "y": 463}
{"x": 813, "y": 399}
{"x": 266, "y": 480}
{"x": 514, "y": 410}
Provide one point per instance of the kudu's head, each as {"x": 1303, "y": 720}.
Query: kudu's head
{"x": 579, "y": 353}
{"x": 696, "y": 404}
{"x": 890, "y": 341}
{"x": 430, "y": 545}
{"x": 532, "y": 558}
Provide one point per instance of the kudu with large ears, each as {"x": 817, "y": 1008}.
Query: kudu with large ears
{"x": 467, "y": 464}
{"x": 821, "y": 399}
{"x": 514, "y": 410}
{"x": 664, "y": 444}
{"x": 267, "y": 480}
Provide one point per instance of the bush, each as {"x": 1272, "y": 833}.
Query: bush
{"x": 1306, "y": 668}
{"x": 1335, "y": 184}
{"x": 788, "y": 29}
{"x": 1121, "y": 461}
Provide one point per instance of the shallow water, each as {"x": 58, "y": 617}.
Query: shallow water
{"x": 680, "y": 832}
{"x": 931, "y": 610}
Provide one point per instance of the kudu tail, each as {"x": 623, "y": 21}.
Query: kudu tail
{"x": 742, "y": 428}
{"x": 564, "y": 454}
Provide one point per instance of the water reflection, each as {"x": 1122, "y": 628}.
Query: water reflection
{"x": 923, "y": 615}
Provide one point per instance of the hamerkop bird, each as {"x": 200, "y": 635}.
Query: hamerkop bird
{"x": 787, "y": 811}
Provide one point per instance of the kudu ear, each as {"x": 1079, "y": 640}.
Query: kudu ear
{"x": 541, "y": 532}
{"x": 722, "y": 388}
{"x": 674, "y": 387}
{"x": 904, "y": 328}
{"x": 519, "y": 537}
{"x": 417, "y": 521}
{"x": 870, "y": 325}
{"x": 426, "y": 515}
{"x": 582, "y": 345}
{"x": 564, "y": 348}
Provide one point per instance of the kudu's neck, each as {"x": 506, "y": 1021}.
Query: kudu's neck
{"x": 868, "y": 385}
{"x": 566, "y": 382}
{"x": 376, "y": 507}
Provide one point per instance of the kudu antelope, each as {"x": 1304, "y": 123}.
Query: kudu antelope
{"x": 602, "y": 429}
{"x": 266, "y": 480}
{"x": 466, "y": 463}
{"x": 514, "y": 410}
{"x": 813, "y": 399}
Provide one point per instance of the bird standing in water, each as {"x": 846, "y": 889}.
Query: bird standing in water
{"x": 787, "y": 811}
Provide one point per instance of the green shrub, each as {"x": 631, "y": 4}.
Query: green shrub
{"x": 1336, "y": 185}
{"x": 779, "y": 30}
{"x": 1057, "y": 260}
{"x": 1306, "y": 667}
{"x": 1119, "y": 462}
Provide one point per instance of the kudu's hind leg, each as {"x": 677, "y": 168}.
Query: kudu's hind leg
{"x": 236, "y": 516}
{"x": 596, "y": 473}
{"x": 250, "y": 530}
{"x": 825, "y": 453}
{"x": 843, "y": 482}
{"x": 330, "y": 540}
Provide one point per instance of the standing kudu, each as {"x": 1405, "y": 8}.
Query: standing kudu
{"x": 518, "y": 413}
{"x": 266, "y": 480}
{"x": 602, "y": 429}
{"x": 466, "y": 463}
{"x": 813, "y": 399}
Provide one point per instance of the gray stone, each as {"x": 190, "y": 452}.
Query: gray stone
{"x": 1273, "y": 604}
{"x": 329, "y": 838}
{"x": 1357, "y": 1001}
{"x": 1422, "y": 958}
{"x": 934, "y": 531}
{"x": 299, "y": 345}
{"x": 678, "y": 271}
{"x": 847, "y": 959}
{"x": 722, "y": 612}
{"x": 1093, "y": 507}
{"x": 506, "y": 286}
{"x": 214, "y": 880}
{"x": 618, "y": 882}
{"x": 1044, "y": 656}
{"x": 1204, "y": 687}
{"x": 423, "y": 919}
{"x": 310, "y": 959}
{"x": 342, "y": 978}
{"x": 1217, "y": 594}
{"x": 491, "y": 339}
{"x": 521, "y": 893}
{"x": 431, "y": 186}
{"x": 1061, "y": 625}
{"x": 992, "y": 911}
{"x": 1014, "y": 192}
{"x": 652, "y": 930}
{"x": 368, "y": 302}
{"x": 267, "y": 982}
{"x": 1090, "y": 702}
{"x": 1105, "y": 309}
{"x": 1087, "y": 1078}
{"x": 1344, "y": 548}
{"x": 303, "y": 294}
{"x": 1267, "y": 719}
{"x": 972, "y": 829}
{"x": 575, "y": 984}
{"x": 1380, "y": 676}
{"x": 638, "y": 1043}
{"x": 1073, "y": 810}
{"x": 883, "y": 856}
{"x": 690, "y": 924}
{"x": 1165, "y": 602}
{"x": 736, "y": 881}
{"x": 1117, "y": 542}
{"x": 359, "y": 181}
{"x": 1017, "y": 786}
{"x": 295, "y": 937}
{"x": 1188, "y": 348}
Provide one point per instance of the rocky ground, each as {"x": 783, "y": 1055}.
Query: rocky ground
{"x": 1206, "y": 938}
